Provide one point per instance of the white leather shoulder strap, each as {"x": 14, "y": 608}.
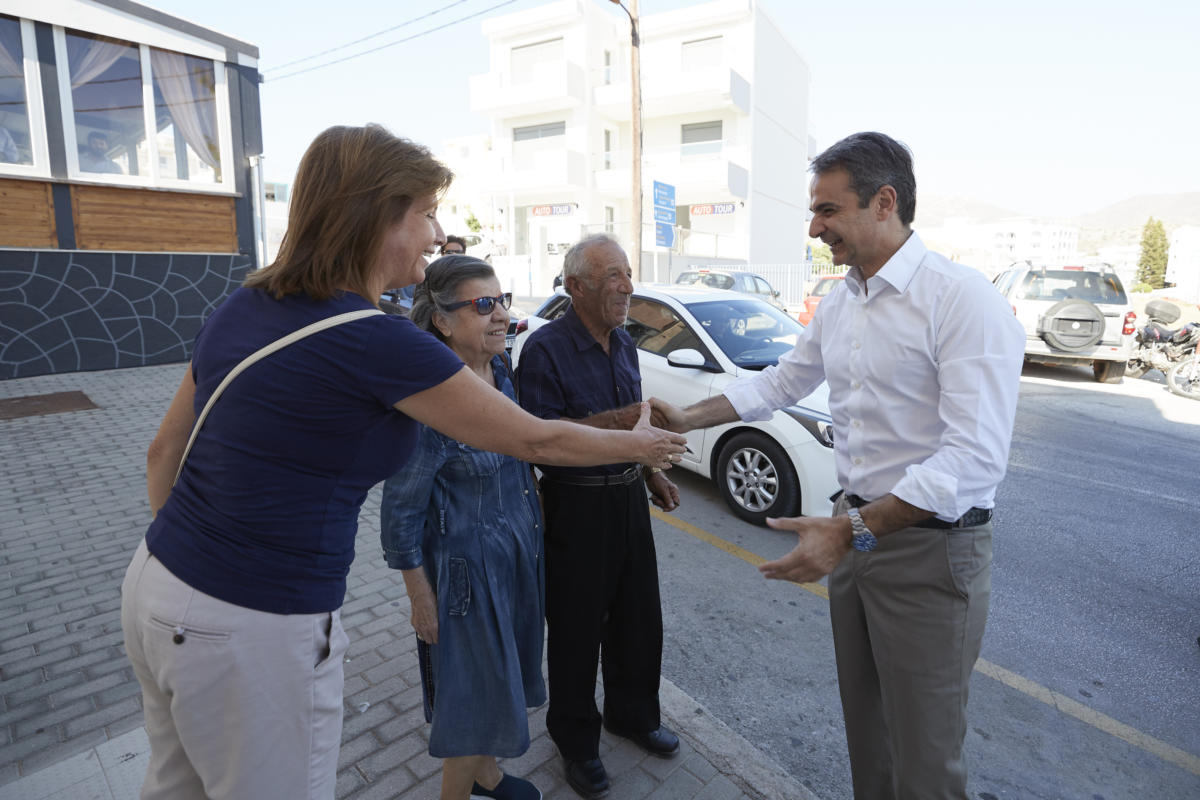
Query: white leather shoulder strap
{"x": 278, "y": 344}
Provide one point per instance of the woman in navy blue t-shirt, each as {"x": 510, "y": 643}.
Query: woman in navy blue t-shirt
{"x": 230, "y": 606}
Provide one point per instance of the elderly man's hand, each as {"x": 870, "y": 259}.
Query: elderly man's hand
{"x": 821, "y": 543}
{"x": 663, "y": 493}
{"x": 663, "y": 449}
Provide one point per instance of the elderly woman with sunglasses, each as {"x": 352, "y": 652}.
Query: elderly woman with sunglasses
{"x": 464, "y": 525}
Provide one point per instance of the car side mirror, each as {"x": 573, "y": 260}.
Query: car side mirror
{"x": 690, "y": 358}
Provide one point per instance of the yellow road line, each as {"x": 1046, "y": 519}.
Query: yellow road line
{"x": 1066, "y": 705}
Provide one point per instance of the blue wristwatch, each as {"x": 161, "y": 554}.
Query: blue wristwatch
{"x": 861, "y": 538}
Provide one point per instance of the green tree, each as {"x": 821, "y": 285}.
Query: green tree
{"x": 473, "y": 223}
{"x": 821, "y": 254}
{"x": 1152, "y": 265}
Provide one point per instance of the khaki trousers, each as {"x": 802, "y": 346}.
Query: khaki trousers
{"x": 238, "y": 703}
{"x": 908, "y": 621}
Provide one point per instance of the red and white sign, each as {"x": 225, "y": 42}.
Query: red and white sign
{"x": 556, "y": 210}
{"x": 707, "y": 209}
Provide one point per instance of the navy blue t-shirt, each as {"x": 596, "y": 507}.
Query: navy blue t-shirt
{"x": 265, "y": 513}
{"x": 564, "y": 372}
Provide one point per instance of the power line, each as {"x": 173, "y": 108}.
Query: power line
{"x": 392, "y": 44}
{"x": 365, "y": 38}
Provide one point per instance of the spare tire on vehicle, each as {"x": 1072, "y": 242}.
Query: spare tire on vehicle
{"x": 1072, "y": 325}
{"x": 1162, "y": 312}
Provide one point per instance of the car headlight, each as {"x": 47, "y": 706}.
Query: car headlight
{"x": 818, "y": 424}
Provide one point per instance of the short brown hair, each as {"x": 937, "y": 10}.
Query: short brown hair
{"x": 352, "y": 185}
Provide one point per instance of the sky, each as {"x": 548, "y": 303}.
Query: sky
{"x": 1050, "y": 108}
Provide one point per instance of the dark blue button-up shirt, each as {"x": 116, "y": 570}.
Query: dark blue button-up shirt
{"x": 564, "y": 372}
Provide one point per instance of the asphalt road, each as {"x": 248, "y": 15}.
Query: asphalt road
{"x": 1089, "y": 682}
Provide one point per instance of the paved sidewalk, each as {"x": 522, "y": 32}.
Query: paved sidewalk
{"x": 73, "y": 509}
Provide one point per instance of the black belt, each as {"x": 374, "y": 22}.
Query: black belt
{"x": 619, "y": 479}
{"x": 973, "y": 517}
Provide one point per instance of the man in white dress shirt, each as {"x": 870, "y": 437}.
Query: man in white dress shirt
{"x": 923, "y": 361}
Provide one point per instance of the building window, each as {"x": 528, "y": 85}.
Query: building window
{"x": 106, "y": 97}
{"x": 23, "y": 149}
{"x": 185, "y": 112}
{"x": 181, "y": 139}
{"x": 608, "y": 148}
{"x": 700, "y": 54}
{"x": 608, "y": 67}
{"x": 543, "y": 131}
{"x": 700, "y": 138}
{"x": 609, "y": 217}
{"x": 528, "y": 59}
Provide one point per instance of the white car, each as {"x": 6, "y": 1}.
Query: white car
{"x": 1072, "y": 315}
{"x": 692, "y": 343}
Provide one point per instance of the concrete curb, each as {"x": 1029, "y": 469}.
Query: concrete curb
{"x": 754, "y": 772}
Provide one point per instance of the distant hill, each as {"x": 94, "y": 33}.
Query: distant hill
{"x": 1172, "y": 209}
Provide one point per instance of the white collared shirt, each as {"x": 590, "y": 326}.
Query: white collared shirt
{"x": 923, "y": 370}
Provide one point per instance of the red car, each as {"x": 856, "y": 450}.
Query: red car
{"x": 824, "y": 286}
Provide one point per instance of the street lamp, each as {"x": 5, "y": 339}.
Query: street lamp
{"x": 635, "y": 81}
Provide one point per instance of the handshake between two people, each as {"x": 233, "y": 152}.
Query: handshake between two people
{"x": 821, "y": 541}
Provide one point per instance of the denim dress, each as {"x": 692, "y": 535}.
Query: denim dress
{"x": 472, "y": 518}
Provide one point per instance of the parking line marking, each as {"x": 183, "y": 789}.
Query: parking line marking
{"x": 1059, "y": 702}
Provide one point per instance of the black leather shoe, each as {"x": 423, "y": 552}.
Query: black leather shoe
{"x": 661, "y": 742}
{"x": 587, "y": 778}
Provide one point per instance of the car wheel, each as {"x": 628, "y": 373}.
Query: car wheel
{"x": 1072, "y": 325}
{"x": 1108, "y": 371}
{"x": 1183, "y": 378}
{"x": 756, "y": 478}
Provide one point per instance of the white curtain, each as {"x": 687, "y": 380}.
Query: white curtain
{"x": 90, "y": 57}
{"x": 191, "y": 103}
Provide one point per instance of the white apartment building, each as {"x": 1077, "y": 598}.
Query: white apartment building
{"x": 1183, "y": 263}
{"x": 992, "y": 246}
{"x": 725, "y": 120}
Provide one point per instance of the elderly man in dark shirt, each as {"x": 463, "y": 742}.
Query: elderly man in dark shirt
{"x": 601, "y": 571}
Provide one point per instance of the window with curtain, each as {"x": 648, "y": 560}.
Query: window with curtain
{"x": 15, "y": 144}
{"x": 700, "y": 138}
{"x": 106, "y": 92}
{"x": 185, "y": 115}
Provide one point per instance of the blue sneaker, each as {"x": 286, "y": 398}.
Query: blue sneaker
{"x": 509, "y": 788}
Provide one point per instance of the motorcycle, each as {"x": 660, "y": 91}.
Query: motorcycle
{"x": 1183, "y": 378}
{"x": 1165, "y": 349}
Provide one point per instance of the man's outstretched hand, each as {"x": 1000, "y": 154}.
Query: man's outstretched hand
{"x": 821, "y": 543}
{"x": 668, "y": 417}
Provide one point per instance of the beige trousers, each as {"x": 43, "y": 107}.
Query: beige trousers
{"x": 238, "y": 703}
{"x": 908, "y": 621}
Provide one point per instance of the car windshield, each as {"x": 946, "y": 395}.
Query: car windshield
{"x": 825, "y": 286}
{"x": 712, "y": 280}
{"x": 1071, "y": 284}
{"x": 752, "y": 333}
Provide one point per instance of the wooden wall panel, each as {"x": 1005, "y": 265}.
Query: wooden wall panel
{"x": 27, "y": 214}
{"x": 140, "y": 220}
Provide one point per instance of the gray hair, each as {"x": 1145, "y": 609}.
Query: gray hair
{"x": 873, "y": 160}
{"x": 440, "y": 288}
{"x": 575, "y": 262}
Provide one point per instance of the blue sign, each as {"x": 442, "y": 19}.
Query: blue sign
{"x": 664, "y": 195}
{"x": 664, "y": 215}
{"x": 664, "y": 234}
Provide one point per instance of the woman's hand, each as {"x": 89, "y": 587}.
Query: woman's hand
{"x": 424, "y": 604}
{"x": 659, "y": 448}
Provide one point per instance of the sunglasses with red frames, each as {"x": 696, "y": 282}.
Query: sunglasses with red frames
{"x": 483, "y": 305}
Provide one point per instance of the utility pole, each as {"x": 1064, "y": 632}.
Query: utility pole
{"x": 635, "y": 81}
